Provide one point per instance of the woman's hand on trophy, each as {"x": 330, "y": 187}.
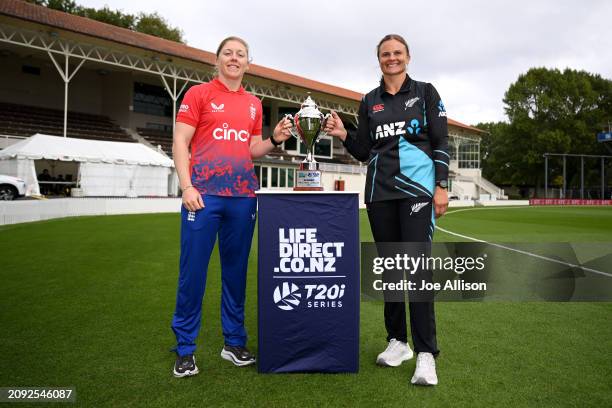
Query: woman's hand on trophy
{"x": 282, "y": 131}
{"x": 335, "y": 127}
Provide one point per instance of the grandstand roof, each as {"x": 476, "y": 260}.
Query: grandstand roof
{"x": 462, "y": 125}
{"x": 81, "y": 25}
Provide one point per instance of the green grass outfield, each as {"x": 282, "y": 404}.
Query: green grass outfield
{"x": 87, "y": 302}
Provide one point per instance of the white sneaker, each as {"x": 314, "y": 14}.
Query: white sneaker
{"x": 396, "y": 353}
{"x": 425, "y": 372}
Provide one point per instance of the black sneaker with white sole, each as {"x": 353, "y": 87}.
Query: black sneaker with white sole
{"x": 185, "y": 366}
{"x": 238, "y": 355}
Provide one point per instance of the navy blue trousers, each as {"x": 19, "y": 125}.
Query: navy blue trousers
{"x": 233, "y": 220}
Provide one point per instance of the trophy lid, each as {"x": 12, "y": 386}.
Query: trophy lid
{"x": 309, "y": 109}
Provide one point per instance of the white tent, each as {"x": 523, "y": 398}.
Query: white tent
{"x": 105, "y": 168}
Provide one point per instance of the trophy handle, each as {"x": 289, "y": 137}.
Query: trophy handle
{"x": 293, "y": 129}
{"x": 324, "y": 119}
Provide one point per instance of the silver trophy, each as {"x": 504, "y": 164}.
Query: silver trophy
{"x": 308, "y": 125}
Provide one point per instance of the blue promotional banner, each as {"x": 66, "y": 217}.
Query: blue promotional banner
{"x": 308, "y": 282}
{"x": 604, "y": 137}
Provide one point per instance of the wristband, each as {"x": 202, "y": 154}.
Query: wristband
{"x": 274, "y": 142}
{"x": 189, "y": 186}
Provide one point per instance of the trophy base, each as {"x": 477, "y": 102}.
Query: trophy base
{"x": 308, "y": 180}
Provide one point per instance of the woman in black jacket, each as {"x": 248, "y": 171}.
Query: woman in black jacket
{"x": 403, "y": 135}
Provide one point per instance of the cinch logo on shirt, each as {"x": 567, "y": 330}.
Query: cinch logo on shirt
{"x": 378, "y": 108}
{"x": 225, "y": 133}
{"x": 217, "y": 108}
{"x": 253, "y": 111}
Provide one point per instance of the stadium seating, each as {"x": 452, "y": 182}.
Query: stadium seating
{"x": 22, "y": 120}
{"x": 158, "y": 137}
{"x": 339, "y": 158}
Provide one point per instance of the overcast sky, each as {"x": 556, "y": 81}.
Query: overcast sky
{"x": 471, "y": 50}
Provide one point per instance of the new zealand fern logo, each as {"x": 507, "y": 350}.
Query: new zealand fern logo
{"x": 417, "y": 207}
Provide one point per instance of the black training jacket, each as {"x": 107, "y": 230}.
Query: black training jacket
{"x": 404, "y": 139}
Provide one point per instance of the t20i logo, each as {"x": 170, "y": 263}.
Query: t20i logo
{"x": 287, "y": 296}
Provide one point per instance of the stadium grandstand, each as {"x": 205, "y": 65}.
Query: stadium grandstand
{"x": 70, "y": 76}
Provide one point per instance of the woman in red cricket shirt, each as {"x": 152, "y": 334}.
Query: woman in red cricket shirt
{"x": 218, "y": 132}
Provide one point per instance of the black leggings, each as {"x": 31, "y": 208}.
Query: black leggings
{"x": 406, "y": 220}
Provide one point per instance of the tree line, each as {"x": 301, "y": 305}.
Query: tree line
{"x": 147, "y": 23}
{"x": 549, "y": 111}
